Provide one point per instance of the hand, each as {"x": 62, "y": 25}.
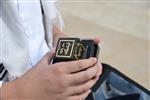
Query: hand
{"x": 61, "y": 81}
{"x": 97, "y": 41}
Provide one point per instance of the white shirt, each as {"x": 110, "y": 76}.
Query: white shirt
{"x": 31, "y": 17}
{"x": 23, "y": 33}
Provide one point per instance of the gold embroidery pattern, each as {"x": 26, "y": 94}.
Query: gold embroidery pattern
{"x": 79, "y": 51}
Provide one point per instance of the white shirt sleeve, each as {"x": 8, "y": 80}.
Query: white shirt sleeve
{"x": 51, "y": 12}
{"x": 20, "y": 47}
{"x": 52, "y": 16}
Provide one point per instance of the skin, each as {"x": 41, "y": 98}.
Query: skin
{"x": 61, "y": 81}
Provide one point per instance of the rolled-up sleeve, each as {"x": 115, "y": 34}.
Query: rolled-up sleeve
{"x": 51, "y": 13}
{"x": 51, "y": 17}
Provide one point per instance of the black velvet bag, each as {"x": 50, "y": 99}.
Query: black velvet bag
{"x": 113, "y": 85}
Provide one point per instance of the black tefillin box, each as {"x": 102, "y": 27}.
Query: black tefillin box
{"x": 69, "y": 49}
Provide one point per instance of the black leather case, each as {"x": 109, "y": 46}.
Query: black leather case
{"x": 69, "y": 49}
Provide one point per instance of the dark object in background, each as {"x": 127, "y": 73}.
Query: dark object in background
{"x": 126, "y": 97}
{"x": 114, "y": 85}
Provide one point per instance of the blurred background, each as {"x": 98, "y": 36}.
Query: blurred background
{"x": 122, "y": 25}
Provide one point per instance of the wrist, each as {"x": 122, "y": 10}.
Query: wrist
{"x": 9, "y": 90}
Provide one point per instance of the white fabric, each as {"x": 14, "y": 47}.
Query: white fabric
{"x": 31, "y": 17}
{"x": 1, "y": 82}
{"x": 22, "y": 38}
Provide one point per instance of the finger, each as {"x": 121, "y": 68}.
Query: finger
{"x": 80, "y": 96}
{"x": 49, "y": 55}
{"x": 100, "y": 69}
{"x": 76, "y": 66}
{"x": 79, "y": 89}
{"x": 97, "y": 40}
{"x": 83, "y": 76}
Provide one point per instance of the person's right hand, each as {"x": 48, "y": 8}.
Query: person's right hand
{"x": 61, "y": 81}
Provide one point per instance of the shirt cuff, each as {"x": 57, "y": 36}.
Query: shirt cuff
{"x": 1, "y": 82}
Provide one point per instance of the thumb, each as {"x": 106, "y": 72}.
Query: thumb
{"x": 49, "y": 55}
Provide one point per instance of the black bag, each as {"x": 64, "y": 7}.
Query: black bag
{"x": 113, "y": 85}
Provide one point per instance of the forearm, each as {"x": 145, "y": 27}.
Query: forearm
{"x": 57, "y": 33}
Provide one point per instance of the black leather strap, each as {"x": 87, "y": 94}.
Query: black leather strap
{"x": 42, "y": 7}
{"x": 3, "y": 72}
{"x": 1, "y": 68}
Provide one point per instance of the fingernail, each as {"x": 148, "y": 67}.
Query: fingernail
{"x": 89, "y": 91}
{"x": 94, "y": 59}
{"x": 97, "y": 77}
{"x": 98, "y": 74}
